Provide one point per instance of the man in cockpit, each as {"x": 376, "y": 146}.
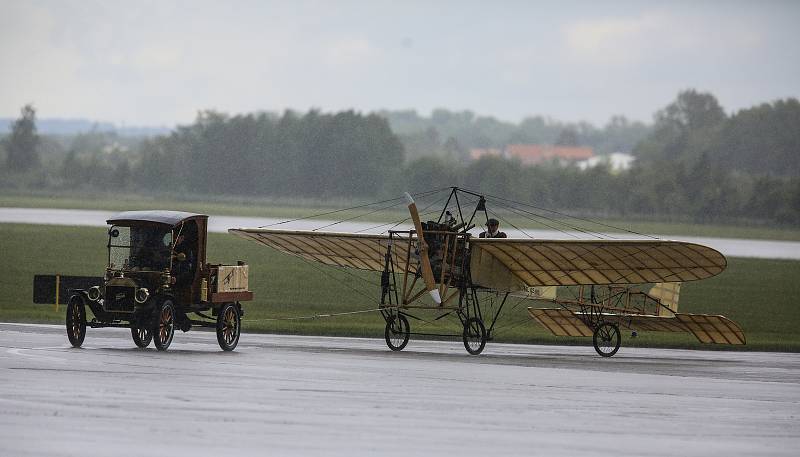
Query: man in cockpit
{"x": 493, "y": 226}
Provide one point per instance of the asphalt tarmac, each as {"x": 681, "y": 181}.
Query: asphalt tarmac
{"x": 295, "y": 395}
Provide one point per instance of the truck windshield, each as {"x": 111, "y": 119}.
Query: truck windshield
{"x": 142, "y": 247}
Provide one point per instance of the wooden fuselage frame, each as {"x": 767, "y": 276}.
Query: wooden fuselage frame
{"x": 449, "y": 255}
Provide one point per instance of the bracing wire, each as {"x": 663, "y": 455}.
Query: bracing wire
{"x": 533, "y": 217}
{"x": 394, "y": 224}
{"x": 320, "y": 316}
{"x": 327, "y": 213}
{"x": 341, "y": 270}
{"x": 571, "y": 216}
{"x": 511, "y": 224}
{"x": 510, "y": 324}
{"x": 358, "y": 216}
{"x": 519, "y": 212}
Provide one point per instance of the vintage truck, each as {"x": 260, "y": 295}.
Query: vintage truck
{"x": 157, "y": 280}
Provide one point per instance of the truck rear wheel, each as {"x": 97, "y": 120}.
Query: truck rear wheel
{"x": 229, "y": 326}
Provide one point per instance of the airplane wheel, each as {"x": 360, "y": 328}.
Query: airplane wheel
{"x": 607, "y": 339}
{"x": 474, "y": 336}
{"x": 165, "y": 329}
{"x": 397, "y": 332}
{"x": 76, "y": 321}
{"x": 142, "y": 336}
{"x": 229, "y": 326}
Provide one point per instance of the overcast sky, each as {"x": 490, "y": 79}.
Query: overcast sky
{"x": 157, "y": 63}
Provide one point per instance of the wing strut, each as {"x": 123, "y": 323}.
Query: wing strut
{"x": 427, "y": 272}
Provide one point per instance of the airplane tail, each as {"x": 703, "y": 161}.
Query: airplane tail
{"x": 668, "y": 294}
{"x": 543, "y": 292}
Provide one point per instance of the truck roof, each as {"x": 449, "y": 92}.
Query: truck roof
{"x": 171, "y": 218}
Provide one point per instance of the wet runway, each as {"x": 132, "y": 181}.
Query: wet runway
{"x": 292, "y": 395}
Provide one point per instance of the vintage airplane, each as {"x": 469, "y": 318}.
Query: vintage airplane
{"x": 440, "y": 266}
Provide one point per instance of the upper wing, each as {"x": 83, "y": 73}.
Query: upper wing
{"x": 362, "y": 251}
{"x": 508, "y": 264}
{"x": 513, "y": 264}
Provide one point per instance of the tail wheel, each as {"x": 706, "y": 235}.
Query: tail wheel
{"x": 142, "y": 336}
{"x": 76, "y": 321}
{"x": 474, "y": 336}
{"x": 165, "y": 328}
{"x": 397, "y": 332}
{"x": 229, "y": 326}
{"x": 607, "y": 339}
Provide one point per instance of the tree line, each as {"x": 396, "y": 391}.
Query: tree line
{"x": 450, "y": 134}
{"x": 695, "y": 163}
{"x": 312, "y": 155}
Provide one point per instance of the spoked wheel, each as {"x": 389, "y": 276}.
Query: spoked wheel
{"x": 229, "y": 326}
{"x": 142, "y": 336}
{"x": 165, "y": 328}
{"x": 397, "y": 332}
{"x": 474, "y": 335}
{"x": 76, "y": 321}
{"x": 606, "y": 339}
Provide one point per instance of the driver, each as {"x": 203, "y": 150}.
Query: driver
{"x": 185, "y": 263}
{"x": 150, "y": 253}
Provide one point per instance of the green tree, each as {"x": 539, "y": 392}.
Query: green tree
{"x": 72, "y": 170}
{"x": 494, "y": 175}
{"x": 22, "y": 144}
{"x": 684, "y": 128}
{"x": 763, "y": 140}
{"x": 314, "y": 155}
{"x": 428, "y": 173}
{"x": 692, "y": 110}
{"x": 567, "y": 137}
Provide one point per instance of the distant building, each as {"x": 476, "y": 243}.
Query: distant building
{"x": 535, "y": 154}
{"x": 617, "y": 161}
{"x": 477, "y": 153}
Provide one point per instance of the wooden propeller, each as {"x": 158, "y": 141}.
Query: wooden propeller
{"x": 427, "y": 272}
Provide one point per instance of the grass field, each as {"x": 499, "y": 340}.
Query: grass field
{"x": 288, "y": 209}
{"x": 758, "y": 294}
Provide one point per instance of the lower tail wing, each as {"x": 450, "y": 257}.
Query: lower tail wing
{"x": 706, "y": 328}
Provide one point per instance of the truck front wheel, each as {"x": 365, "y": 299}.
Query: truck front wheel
{"x": 76, "y": 320}
{"x": 142, "y": 336}
{"x": 165, "y": 326}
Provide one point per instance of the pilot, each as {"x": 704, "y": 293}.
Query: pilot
{"x": 493, "y": 231}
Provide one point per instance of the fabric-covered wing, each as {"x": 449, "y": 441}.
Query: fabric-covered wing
{"x": 361, "y": 251}
{"x": 560, "y": 322}
{"x": 712, "y": 329}
{"x": 505, "y": 264}
{"x": 705, "y": 327}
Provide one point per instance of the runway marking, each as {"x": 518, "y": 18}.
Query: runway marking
{"x": 19, "y": 352}
{"x": 67, "y": 370}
